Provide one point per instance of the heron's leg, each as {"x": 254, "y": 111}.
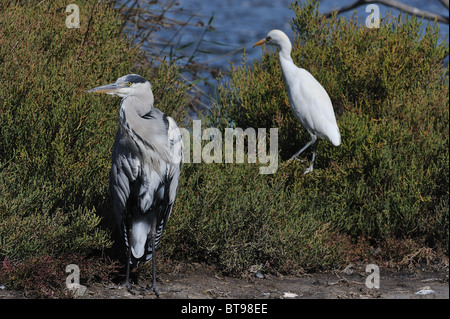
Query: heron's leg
{"x": 310, "y": 168}
{"x": 313, "y": 140}
{"x": 127, "y": 279}
{"x": 154, "y": 287}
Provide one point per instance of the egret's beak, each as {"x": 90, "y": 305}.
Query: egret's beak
{"x": 260, "y": 42}
{"x": 108, "y": 89}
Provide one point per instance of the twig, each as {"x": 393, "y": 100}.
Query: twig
{"x": 87, "y": 30}
{"x": 397, "y": 5}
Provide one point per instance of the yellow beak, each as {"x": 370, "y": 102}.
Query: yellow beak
{"x": 260, "y": 42}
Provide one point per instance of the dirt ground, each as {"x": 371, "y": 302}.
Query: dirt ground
{"x": 197, "y": 281}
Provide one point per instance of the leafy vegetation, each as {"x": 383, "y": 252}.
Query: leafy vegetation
{"x": 388, "y": 181}
{"x": 384, "y": 190}
{"x": 55, "y": 139}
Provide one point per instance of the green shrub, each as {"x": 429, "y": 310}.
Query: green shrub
{"x": 55, "y": 139}
{"x": 387, "y": 183}
{"x": 389, "y": 178}
{"x": 231, "y": 215}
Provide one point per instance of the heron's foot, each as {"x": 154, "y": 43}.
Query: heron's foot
{"x": 153, "y": 288}
{"x": 127, "y": 285}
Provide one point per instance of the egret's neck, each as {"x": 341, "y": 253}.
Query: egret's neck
{"x": 285, "y": 51}
{"x": 287, "y": 68}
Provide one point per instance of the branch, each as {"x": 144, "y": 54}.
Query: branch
{"x": 397, "y": 5}
{"x": 345, "y": 8}
{"x": 445, "y": 3}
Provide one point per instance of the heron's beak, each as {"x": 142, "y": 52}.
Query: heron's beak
{"x": 260, "y": 42}
{"x": 108, "y": 89}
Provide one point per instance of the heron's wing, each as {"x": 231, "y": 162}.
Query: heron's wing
{"x": 176, "y": 151}
{"x": 162, "y": 153}
{"x": 125, "y": 168}
{"x": 157, "y": 186}
{"x": 161, "y": 190}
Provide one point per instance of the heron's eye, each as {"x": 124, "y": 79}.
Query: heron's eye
{"x": 268, "y": 39}
{"x": 129, "y": 83}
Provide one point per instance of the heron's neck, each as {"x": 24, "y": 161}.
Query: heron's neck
{"x": 132, "y": 112}
{"x": 137, "y": 104}
{"x": 147, "y": 128}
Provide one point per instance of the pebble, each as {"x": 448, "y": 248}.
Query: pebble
{"x": 425, "y": 291}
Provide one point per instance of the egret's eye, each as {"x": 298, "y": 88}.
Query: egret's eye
{"x": 129, "y": 83}
{"x": 268, "y": 39}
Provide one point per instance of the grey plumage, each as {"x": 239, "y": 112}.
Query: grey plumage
{"x": 145, "y": 169}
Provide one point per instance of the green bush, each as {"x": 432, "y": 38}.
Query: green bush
{"x": 389, "y": 178}
{"x": 231, "y": 215}
{"x": 385, "y": 186}
{"x": 55, "y": 139}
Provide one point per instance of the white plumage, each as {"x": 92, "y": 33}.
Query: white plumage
{"x": 309, "y": 101}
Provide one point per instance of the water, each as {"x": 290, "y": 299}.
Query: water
{"x": 238, "y": 24}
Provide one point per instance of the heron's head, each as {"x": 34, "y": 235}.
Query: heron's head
{"x": 128, "y": 85}
{"x": 275, "y": 37}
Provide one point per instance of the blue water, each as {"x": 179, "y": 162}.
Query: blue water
{"x": 235, "y": 27}
{"x": 238, "y": 24}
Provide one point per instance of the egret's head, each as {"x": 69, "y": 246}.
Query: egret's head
{"x": 274, "y": 37}
{"x": 128, "y": 85}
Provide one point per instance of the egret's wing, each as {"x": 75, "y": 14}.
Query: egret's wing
{"x": 314, "y": 106}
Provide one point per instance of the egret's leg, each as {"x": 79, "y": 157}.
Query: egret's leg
{"x": 310, "y": 168}
{"x": 313, "y": 140}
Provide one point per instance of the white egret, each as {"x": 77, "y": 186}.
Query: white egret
{"x": 309, "y": 101}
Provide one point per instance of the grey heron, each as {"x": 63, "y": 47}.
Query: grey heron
{"x": 145, "y": 170}
{"x": 309, "y": 101}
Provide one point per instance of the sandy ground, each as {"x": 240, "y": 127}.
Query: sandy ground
{"x": 197, "y": 281}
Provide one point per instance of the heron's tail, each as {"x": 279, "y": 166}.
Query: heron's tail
{"x": 139, "y": 234}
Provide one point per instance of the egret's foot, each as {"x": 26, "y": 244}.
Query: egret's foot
{"x": 308, "y": 170}
{"x": 153, "y": 288}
